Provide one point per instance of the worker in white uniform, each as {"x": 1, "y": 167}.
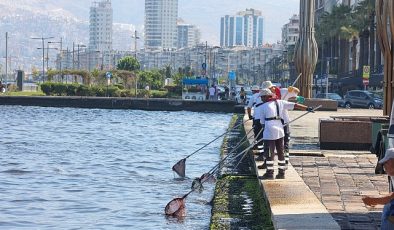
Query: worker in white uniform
{"x": 271, "y": 117}
{"x": 287, "y": 93}
{"x": 254, "y": 101}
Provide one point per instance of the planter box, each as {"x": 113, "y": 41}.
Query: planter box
{"x": 345, "y": 134}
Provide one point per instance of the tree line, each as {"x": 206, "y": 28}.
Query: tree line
{"x": 338, "y": 34}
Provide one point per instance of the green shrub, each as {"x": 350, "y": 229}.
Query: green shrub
{"x": 59, "y": 89}
{"x": 120, "y": 86}
{"x": 72, "y": 89}
{"x": 46, "y": 88}
{"x": 143, "y": 93}
{"x": 158, "y": 94}
{"x": 62, "y": 89}
{"x": 98, "y": 91}
{"x": 127, "y": 93}
{"x": 114, "y": 91}
{"x": 83, "y": 90}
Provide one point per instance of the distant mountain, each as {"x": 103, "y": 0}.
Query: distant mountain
{"x": 69, "y": 19}
{"x": 24, "y": 19}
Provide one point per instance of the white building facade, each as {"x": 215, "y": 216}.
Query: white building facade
{"x": 100, "y": 28}
{"x": 188, "y": 35}
{"x": 161, "y": 24}
{"x": 244, "y": 29}
{"x": 291, "y": 31}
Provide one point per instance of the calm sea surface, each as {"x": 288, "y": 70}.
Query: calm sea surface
{"x": 65, "y": 168}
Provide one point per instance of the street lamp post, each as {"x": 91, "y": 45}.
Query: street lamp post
{"x": 60, "y": 55}
{"x": 6, "y": 59}
{"x": 47, "y": 58}
{"x": 328, "y": 72}
{"x": 43, "y": 54}
{"x": 78, "y": 49}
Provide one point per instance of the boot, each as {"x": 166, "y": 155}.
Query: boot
{"x": 269, "y": 175}
{"x": 280, "y": 175}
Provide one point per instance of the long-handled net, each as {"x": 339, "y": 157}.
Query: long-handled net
{"x": 210, "y": 175}
{"x": 177, "y": 205}
{"x": 180, "y": 167}
{"x": 311, "y": 111}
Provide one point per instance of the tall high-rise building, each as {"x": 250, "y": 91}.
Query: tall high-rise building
{"x": 160, "y": 24}
{"x": 188, "y": 35}
{"x": 100, "y": 28}
{"x": 244, "y": 29}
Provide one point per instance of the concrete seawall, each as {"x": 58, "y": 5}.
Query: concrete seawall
{"x": 152, "y": 104}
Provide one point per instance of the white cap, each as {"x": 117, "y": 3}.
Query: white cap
{"x": 255, "y": 88}
{"x": 266, "y": 85}
{"x": 266, "y": 92}
{"x": 389, "y": 155}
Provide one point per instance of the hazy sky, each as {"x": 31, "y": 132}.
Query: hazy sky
{"x": 206, "y": 14}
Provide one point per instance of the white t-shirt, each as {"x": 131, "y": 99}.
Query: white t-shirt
{"x": 273, "y": 129}
{"x": 212, "y": 91}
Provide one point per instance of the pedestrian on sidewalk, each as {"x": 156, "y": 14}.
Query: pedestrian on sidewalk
{"x": 271, "y": 115}
{"x": 387, "y": 200}
{"x": 212, "y": 93}
{"x": 242, "y": 95}
{"x": 255, "y": 101}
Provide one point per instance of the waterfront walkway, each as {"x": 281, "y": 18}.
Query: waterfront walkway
{"x": 323, "y": 189}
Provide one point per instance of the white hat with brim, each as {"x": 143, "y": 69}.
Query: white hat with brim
{"x": 266, "y": 85}
{"x": 389, "y": 155}
{"x": 255, "y": 88}
{"x": 266, "y": 92}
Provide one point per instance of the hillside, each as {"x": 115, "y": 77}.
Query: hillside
{"x": 24, "y": 19}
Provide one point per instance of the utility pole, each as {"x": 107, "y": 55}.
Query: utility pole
{"x": 60, "y": 55}
{"x": 135, "y": 43}
{"x": 79, "y": 66}
{"x": 43, "y": 55}
{"x": 47, "y": 58}
{"x": 6, "y": 57}
{"x": 205, "y": 59}
{"x": 328, "y": 72}
{"x": 73, "y": 56}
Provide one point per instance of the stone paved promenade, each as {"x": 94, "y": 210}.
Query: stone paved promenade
{"x": 338, "y": 179}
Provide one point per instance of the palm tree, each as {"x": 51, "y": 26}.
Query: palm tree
{"x": 343, "y": 24}
{"x": 333, "y": 33}
{"x": 363, "y": 21}
{"x": 341, "y": 19}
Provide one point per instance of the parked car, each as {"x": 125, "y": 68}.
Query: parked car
{"x": 248, "y": 94}
{"x": 363, "y": 99}
{"x": 332, "y": 96}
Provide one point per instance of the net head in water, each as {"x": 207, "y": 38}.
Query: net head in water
{"x": 197, "y": 185}
{"x": 180, "y": 168}
{"x": 207, "y": 177}
{"x": 176, "y": 208}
